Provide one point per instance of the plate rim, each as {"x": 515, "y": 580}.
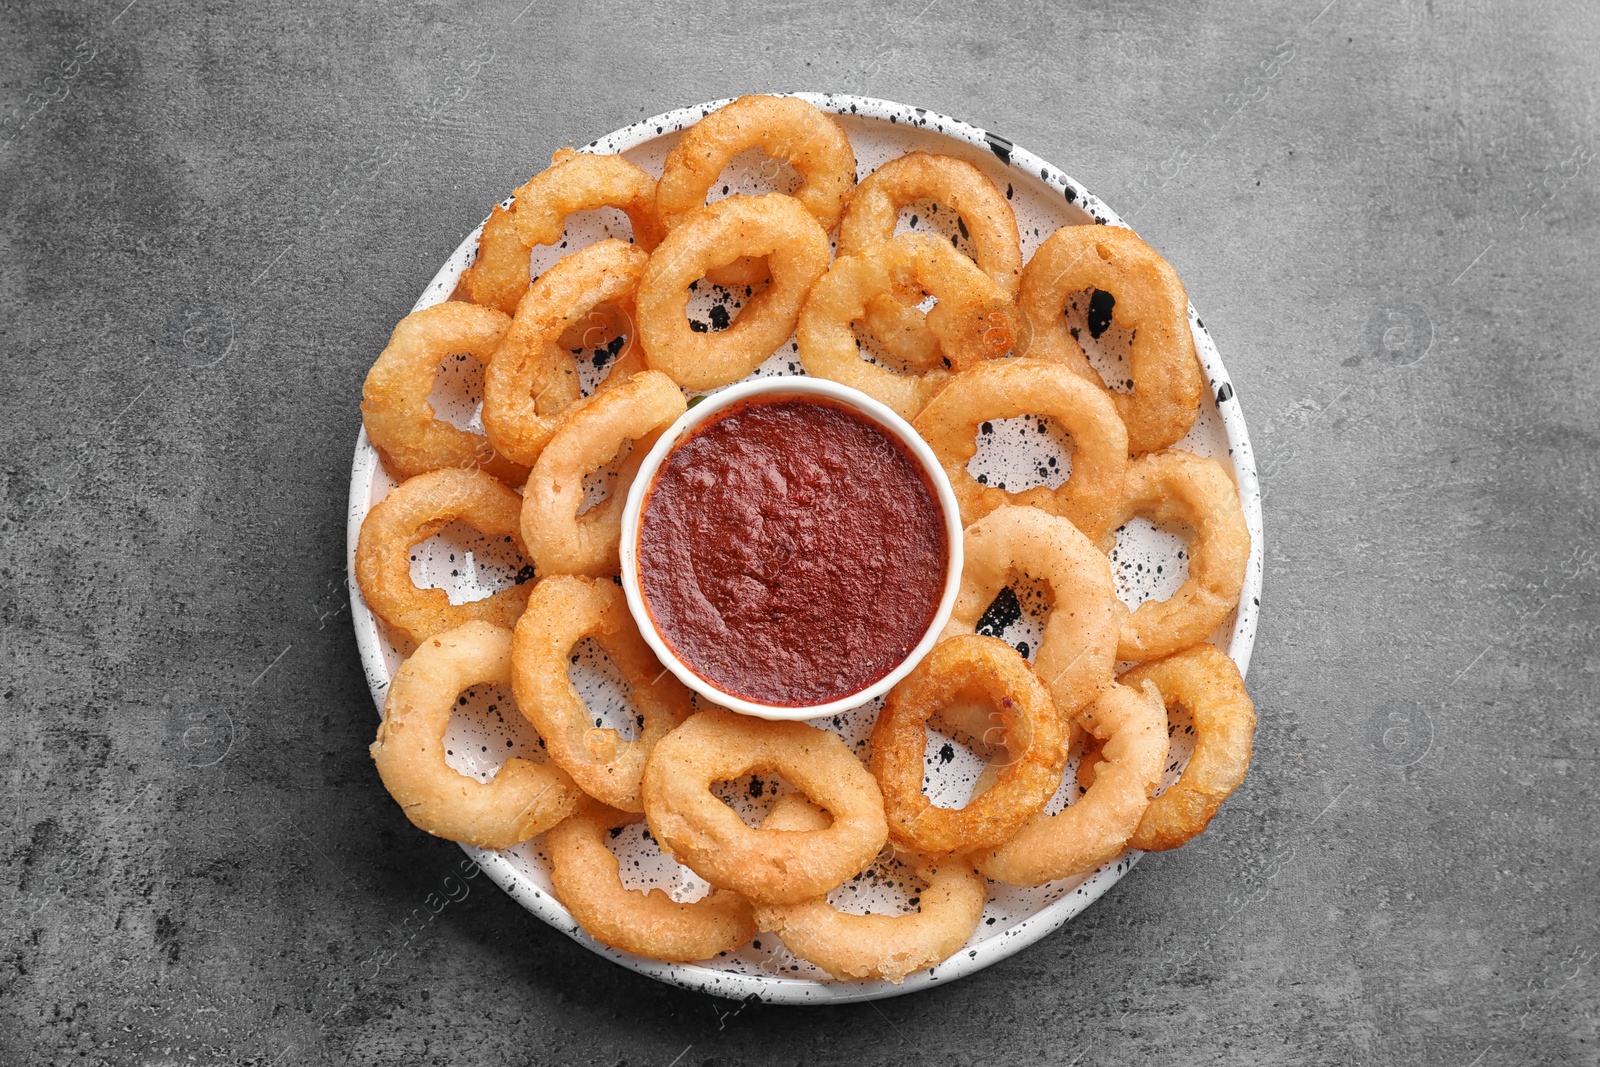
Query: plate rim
{"x": 1021, "y": 934}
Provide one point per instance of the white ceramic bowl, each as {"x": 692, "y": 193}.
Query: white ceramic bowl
{"x": 788, "y": 386}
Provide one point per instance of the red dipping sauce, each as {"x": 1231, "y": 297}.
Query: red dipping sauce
{"x": 791, "y": 551}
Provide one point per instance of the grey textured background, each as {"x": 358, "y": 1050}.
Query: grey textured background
{"x": 1387, "y": 212}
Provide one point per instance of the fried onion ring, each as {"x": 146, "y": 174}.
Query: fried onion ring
{"x": 768, "y": 866}
{"x": 586, "y": 877}
{"x": 414, "y": 511}
{"x": 575, "y": 181}
{"x": 1149, "y": 299}
{"x": 1005, "y": 389}
{"x": 588, "y": 437}
{"x": 787, "y": 129}
{"x": 522, "y": 800}
{"x": 531, "y": 380}
{"x": 401, "y": 423}
{"x": 876, "y": 946}
{"x": 562, "y": 611}
{"x": 774, "y": 226}
{"x": 1078, "y": 650}
{"x": 1207, "y": 682}
{"x": 985, "y": 216}
{"x": 957, "y": 669}
{"x": 1175, "y": 487}
{"x": 1131, "y": 726}
{"x": 974, "y": 320}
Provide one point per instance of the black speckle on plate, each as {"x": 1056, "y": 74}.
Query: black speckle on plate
{"x": 1100, "y": 305}
{"x": 1004, "y": 610}
{"x": 999, "y": 146}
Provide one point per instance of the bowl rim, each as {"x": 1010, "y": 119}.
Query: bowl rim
{"x": 880, "y": 415}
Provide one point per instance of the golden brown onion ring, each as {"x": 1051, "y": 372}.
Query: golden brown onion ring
{"x": 959, "y": 669}
{"x": 531, "y": 380}
{"x": 768, "y": 866}
{"x": 1181, "y": 488}
{"x": 1206, "y": 682}
{"x": 1150, "y": 300}
{"x": 586, "y": 877}
{"x": 414, "y": 511}
{"x": 985, "y": 216}
{"x": 1078, "y": 650}
{"x": 522, "y": 800}
{"x": 974, "y": 320}
{"x": 575, "y": 181}
{"x": 587, "y": 437}
{"x": 787, "y": 129}
{"x": 1004, "y": 389}
{"x": 955, "y": 183}
{"x": 562, "y": 611}
{"x": 889, "y": 947}
{"x": 774, "y": 226}
{"x": 1131, "y": 726}
{"x": 394, "y": 399}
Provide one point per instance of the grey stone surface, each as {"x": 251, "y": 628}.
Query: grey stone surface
{"x": 1387, "y": 211}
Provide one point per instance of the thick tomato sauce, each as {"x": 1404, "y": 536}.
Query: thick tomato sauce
{"x": 791, "y": 551}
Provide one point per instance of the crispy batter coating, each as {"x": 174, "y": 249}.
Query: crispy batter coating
{"x": 889, "y": 947}
{"x": 974, "y": 320}
{"x": 1131, "y": 726}
{"x": 985, "y": 216}
{"x": 774, "y": 226}
{"x": 1149, "y": 299}
{"x": 575, "y": 181}
{"x": 522, "y": 800}
{"x": 1004, "y": 389}
{"x": 768, "y": 866}
{"x": 414, "y": 511}
{"x": 562, "y": 611}
{"x": 788, "y": 130}
{"x": 1182, "y": 489}
{"x": 1078, "y": 650}
{"x": 584, "y": 872}
{"x": 957, "y": 670}
{"x": 532, "y": 380}
{"x": 394, "y": 399}
{"x": 588, "y": 437}
{"x": 1206, "y": 682}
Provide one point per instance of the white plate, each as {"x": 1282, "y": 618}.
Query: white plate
{"x": 1147, "y": 562}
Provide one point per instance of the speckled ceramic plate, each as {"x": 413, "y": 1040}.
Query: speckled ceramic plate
{"x": 1016, "y": 453}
